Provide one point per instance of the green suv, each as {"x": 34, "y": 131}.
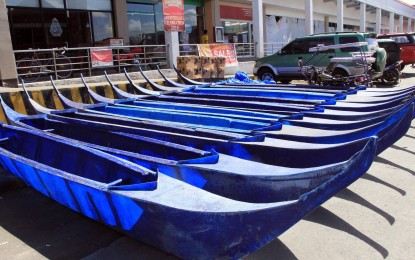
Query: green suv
{"x": 283, "y": 65}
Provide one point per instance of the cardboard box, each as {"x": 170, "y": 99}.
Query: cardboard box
{"x": 206, "y": 73}
{"x": 213, "y": 74}
{"x": 220, "y": 73}
{"x": 208, "y": 62}
{"x": 220, "y": 62}
{"x": 189, "y": 66}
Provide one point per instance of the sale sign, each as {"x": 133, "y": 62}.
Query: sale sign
{"x": 226, "y": 50}
{"x": 101, "y": 58}
{"x": 173, "y": 15}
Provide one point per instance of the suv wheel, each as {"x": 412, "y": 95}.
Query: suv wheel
{"x": 266, "y": 74}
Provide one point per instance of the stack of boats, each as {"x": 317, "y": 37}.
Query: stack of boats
{"x": 203, "y": 170}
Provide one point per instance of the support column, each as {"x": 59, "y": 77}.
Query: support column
{"x": 391, "y": 22}
{"x": 363, "y": 17}
{"x": 212, "y": 15}
{"x": 172, "y": 41}
{"x": 378, "y": 20}
{"x": 121, "y": 21}
{"x": 216, "y": 12}
{"x": 409, "y": 25}
{"x": 400, "y": 23}
{"x": 258, "y": 21}
{"x": 309, "y": 24}
{"x": 340, "y": 15}
{"x": 8, "y": 63}
{"x": 326, "y": 23}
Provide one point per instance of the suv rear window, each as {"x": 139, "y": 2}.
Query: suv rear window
{"x": 295, "y": 47}
{"x": 348, "y": 39}
{"x": 321, "y": 41}
{"x": 302, "y": 46}
{"x": 400, "y": 39}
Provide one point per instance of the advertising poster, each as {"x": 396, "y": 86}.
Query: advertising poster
{"x": 101, "y": 58}
{"x": 173, "y": 15}
{"x": 219, "y": 50}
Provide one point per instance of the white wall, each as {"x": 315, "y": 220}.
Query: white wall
{"x": 291, "y": 25}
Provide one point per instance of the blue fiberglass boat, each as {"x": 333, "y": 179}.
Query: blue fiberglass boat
{"x": 217, "y": 173}
{"x": 156, "y": 209}
{"x": 168, "y": 110}
{"x": 388, "y": 124}
{"x": 332, "y": 119}
{"x": 255, "y": 147}
{"x": 363, "y": 105}
{"x": 370, "y": 123}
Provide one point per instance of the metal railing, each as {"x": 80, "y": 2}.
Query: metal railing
{"x": 38, "y": 64}
{"x": 35, "y": 64}
{"x": 243, "y": 50}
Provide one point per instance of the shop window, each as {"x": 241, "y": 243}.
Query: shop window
{"x": 193, "y": 25}
{"x": 96, "y": 5}
{"x": 145, "y": 26}
{"x": 141, "y": 29}
{"x": 102, "y": 26}
{"x": 236, "y": 32}
{"x": 146, "y": 23}
{"x": 26, "y": 30}
{"x": 56, "y": 28}
{"x": 160, "y": 39}
{"x": 20, "y": 3}
{"x": 80, "y": 28}
{"x": 53, "y": 4}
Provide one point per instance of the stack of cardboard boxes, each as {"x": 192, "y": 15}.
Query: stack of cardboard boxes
{"x": 196, "y": 67}
{"x": 190, "y": 66}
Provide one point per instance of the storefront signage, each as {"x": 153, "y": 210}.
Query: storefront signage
{"x": 235, "y": 13}
{"x": 173, "y": 15}
{"x": 219, "y": 50}
{"x": 101, "y": 58}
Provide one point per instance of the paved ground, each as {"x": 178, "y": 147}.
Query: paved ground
{"x": 374, "y": 218}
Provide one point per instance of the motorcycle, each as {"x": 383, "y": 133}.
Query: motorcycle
{"x": 328, "y": 76}
{"x": 393, "y": 68}
{"x": 392, "y": 73}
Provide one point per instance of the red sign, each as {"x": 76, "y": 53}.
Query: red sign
{"x": 173, "y": 15}
{"x": 235, "y": 13}
{"x": 219, "y": 50}
{"x": 101, "y": 57}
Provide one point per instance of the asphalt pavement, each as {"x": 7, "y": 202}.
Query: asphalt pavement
{"x": 374, "y": 218}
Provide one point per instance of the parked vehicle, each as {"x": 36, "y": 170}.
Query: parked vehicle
{"x": 324, "y": 77}
{"x": 406, "y": 42}
{"x": 392, "y": 71}
{"x": 283, "y": 65}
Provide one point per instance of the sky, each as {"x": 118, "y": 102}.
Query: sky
{"x": 411, "y": 2}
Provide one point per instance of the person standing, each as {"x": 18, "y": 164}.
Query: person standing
{"x": 205, "y": 38}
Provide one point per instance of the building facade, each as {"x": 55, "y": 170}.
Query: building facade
{"x": 87, "y": 23}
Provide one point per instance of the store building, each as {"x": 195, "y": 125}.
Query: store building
{"x": 86, "y": 23}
